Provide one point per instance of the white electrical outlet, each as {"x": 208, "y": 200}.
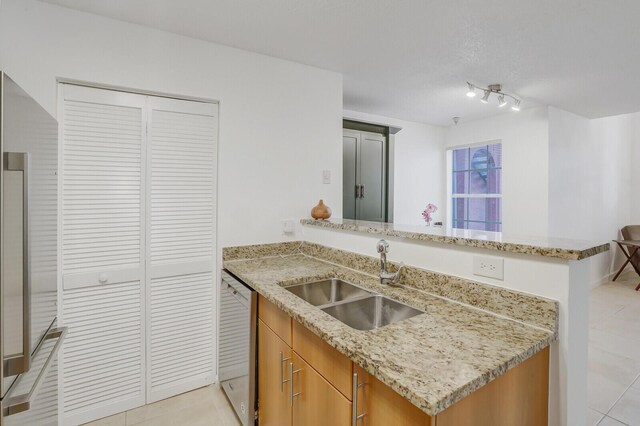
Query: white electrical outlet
{"x": 492, "y": 267}
{"x": 288, "y": 226}
{"x": 326, "y": 176}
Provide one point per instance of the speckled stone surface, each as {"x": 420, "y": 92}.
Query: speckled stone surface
{"x": 260, "y": 250}
{"x": 523, "y": 307}
{"x": 433, "y": 359}
{"x": 548, "y": 247}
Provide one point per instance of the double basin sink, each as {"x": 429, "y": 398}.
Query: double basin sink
{"x": 354, "y": 306}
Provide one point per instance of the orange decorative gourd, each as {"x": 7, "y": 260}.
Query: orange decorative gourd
{"x": 321, "y": 211}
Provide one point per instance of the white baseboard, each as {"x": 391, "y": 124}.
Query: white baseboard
{"x": 628, "y": 272}
{"x": 600, "y": 281}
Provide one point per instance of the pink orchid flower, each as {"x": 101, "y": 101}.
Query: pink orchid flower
{"x": 426, "y": 214}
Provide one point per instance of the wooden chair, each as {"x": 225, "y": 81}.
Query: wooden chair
{"x": 631, "y": 233}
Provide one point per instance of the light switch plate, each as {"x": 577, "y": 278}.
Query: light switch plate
{"x": 491, "y": 267}
{"x": 326, "y": 176}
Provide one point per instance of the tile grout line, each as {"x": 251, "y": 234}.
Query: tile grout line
{"x": 617, "y": 308}
{"x": 619, "y": 398}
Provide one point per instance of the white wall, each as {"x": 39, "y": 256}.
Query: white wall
{"x": 280, "y": 122}
{"x": 574, "y": 184}
{"x": 525, "y": 151}
{"x": 591, "y": 180}
{"x": 634, "y": 179}
{"x": 419, "y": 161}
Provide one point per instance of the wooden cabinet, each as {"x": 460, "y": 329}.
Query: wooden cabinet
{"x": 335, "y": 367}
{"x": 292, "y": 390}
{"x": 274, "y": 356}
{"x": 275, "y": 318}
{"x": 518, "y": 397}
{"x": 382, "y": 406}
{"x": 323, "y": 385}
{"x": 316, "y": 402}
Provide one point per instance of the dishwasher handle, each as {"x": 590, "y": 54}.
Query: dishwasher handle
{"x": 233, "y": 292}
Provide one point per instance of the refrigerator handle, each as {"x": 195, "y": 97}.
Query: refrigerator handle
{"x": 19, "y": 403}
{"x": 19, "y": 161}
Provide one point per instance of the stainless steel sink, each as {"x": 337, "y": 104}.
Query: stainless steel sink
{"x": 325, "y": 292}
{"x": 371, "y": 312}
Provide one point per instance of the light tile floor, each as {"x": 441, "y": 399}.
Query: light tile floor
{"x": 614, "y": 353}
{"x": 614, "y": 371}
{"x": 202, "y": 407}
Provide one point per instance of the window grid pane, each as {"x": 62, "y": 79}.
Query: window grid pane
{"x": 477, "y": 171}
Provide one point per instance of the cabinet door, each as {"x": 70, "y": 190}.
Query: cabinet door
{"x": 382, "y": 406}
{"x": 335, "y": 367}
{"x": 315, "y": 401}
{"x": 372, "y": 177}
{"x": 350, "y": 142}
{"x": 102, "y": 249}
{"x": 518, "y": 397}
{"x": 180, "y": 263}
{"x": 273, "y": 395}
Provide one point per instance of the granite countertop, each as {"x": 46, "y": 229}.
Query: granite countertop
{"x": 433, "y": 359}
{"x": 537, "y": 246}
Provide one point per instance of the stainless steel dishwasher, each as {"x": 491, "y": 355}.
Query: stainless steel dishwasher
{"x": 237, "y": 348}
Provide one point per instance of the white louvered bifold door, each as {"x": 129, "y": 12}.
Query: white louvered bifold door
{"x": 181, "y": 177}
{"x": 103, "y": 252}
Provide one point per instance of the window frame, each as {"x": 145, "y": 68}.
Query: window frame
{"x": 451, "y": 195}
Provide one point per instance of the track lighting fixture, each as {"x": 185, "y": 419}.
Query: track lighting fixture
{"x": 497, "y": 89}
{"x": 472, "y": 90}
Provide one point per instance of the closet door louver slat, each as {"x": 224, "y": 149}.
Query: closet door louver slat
{"x": 180, "y": 269}
{"x": 138, "y": 249}
{"x": 103, "y": 137}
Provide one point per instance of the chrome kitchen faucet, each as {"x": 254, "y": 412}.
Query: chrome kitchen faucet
{"x": 386, "y": 277}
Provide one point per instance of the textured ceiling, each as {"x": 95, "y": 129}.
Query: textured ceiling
{"x": 410, "y": 59}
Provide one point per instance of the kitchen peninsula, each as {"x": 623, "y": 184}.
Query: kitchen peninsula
{"x": 556, "y": 269}
{"x": 440, "y": 361}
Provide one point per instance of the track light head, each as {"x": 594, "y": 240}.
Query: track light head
{"x": 471, "y": 92}
{"x": 497, "y": 89}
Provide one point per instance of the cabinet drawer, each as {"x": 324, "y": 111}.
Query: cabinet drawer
{"x": 274, "y": 317}
{"x": 331, "y": 364}
{"x": 315, "y": 401}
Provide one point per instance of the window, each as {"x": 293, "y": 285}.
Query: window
{"x": 476, "y": 187}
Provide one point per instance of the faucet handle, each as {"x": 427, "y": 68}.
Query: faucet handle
{"x": 383, "y": 246}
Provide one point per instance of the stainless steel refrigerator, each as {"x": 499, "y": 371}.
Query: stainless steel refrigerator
{"x": 29, "y": 335}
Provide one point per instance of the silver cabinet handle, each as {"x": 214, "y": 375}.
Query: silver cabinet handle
{"x": 362, "y": 191}
{"x": 354, "y": 406}
{"x": 19, "y": 162}
{"x": 282, "y": 380}
{"x": 291, "y": 393}
{"x": 19, "y": 403}
{"x": 357, "y": 191}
